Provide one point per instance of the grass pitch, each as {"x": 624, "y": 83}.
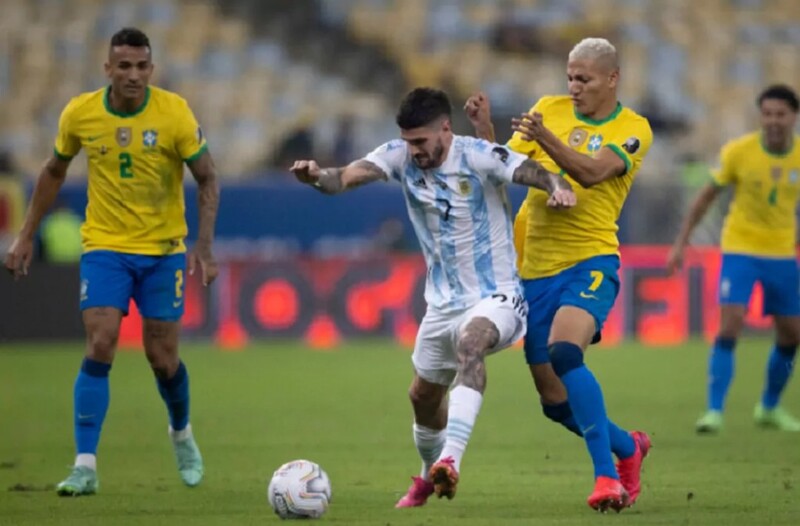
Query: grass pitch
{"x": 347, "y": 409}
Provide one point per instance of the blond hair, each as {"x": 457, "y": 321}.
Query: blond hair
{"x": 597, "y": 49}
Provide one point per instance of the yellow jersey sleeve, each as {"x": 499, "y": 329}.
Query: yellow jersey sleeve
{"x": 67, "y": 144}
{"x": 520, "y": 229}
{"x": 635, "y": 146}
{"x": 726, "y": 174}
{"x": 520, "y": 145}
{"x": 189, "y": 139}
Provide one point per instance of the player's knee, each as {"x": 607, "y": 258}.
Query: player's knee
{"x": 102, "y": 343}
{"x": 477, "y": 337}
{"x": 731, "y": 325}
{"x": 788, "y": 334}
{"x": 163, "y": 365}
{"x": 565, "y": 357}
{"x": 423, "y": 401}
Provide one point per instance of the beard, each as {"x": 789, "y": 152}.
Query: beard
{"x": 426, "y": 162}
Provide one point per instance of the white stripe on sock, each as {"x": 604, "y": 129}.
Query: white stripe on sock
{"x": 429, "y": 444}
{"x": 465, "y": 404}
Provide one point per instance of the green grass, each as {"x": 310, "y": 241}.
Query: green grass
{"x": 348, "y": 410}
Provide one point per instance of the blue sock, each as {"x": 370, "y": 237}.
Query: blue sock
{"x": 175, "y": 393}
{"x": 622, "y": 444}
{"x": 720, "y": 372}
{"x": 779, "y": 370}
{"x": 91, "y": 403}
{"x": 586, "y": 400}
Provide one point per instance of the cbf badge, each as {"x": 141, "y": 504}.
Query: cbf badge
{"x": 149, "y": 138}
{"x": 577, "y": 137}
{"x": 793, "y": 176}
{"x": 595, "y": 143}
{"x": 123, "y": 136}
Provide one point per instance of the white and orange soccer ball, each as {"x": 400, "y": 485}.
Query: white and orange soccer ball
{"x": 299, "y": 490}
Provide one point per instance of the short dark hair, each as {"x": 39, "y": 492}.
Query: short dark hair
{"x": 422, "y": 106}
{"x": 780, "y": 92}
{"x": 130, "y": 36}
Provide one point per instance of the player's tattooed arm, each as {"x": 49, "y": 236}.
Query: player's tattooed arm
{"x": 205, "y": 173}
{"x": 337, "y": 180}
{"x": 531, "y": 173}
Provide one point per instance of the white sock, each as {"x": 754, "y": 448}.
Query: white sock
{"x": 465, "y": 404}
{"x": 183, "y": 434}
{"x": 429, "y": 443}
{"x": 86, "y": 460}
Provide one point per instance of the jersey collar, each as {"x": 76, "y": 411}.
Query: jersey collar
{"x": 123, "y": 114}
{"x": 776, "y": 154}
{"x": 598, "y": 122}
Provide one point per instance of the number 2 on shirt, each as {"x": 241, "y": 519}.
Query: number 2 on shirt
{"x": 125, "y": 165}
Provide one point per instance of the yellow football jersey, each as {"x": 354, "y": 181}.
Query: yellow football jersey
{"x": 135, "y": 169}
{"x": 558, "y": 239}
{"x": 761, "y": 219}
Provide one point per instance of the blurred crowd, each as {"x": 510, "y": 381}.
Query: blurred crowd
{"x": 266, "y": 92}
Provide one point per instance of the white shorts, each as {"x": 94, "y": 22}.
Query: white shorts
{"x": 434, "y": 355}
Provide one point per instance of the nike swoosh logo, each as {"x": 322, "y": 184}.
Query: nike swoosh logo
{"x": 92, "y": 138}
{"x": 589, "y": 296}
{"x": 84, "y": 417}
{"x": 586, "y": 430}
{"x": 176, "y": 304}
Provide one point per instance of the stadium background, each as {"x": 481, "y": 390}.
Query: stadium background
{"x": 279, "y": 80}
{"x": 275, "y": 80}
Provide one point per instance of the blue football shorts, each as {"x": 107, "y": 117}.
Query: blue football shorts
{"x": 591, "y": 285}
{"x": 155, "y": 283}
{"x": 779, "y": 278}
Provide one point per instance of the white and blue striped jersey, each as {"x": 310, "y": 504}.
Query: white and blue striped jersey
{"x": 462, "y": 217}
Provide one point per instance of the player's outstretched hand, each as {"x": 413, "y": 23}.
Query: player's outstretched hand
{"x": 674, "y": 260}
{"x": 201, "y": 256}
{"x": 478, "y": 109}
{"x": 18, "y": 257}
{"x": 529, "y": 125}
{"x": 307, "y": 172}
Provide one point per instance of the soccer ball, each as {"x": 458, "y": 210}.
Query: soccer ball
{"x": 299, "y": 490}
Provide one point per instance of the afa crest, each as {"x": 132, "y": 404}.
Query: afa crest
{"x": 464, "y": 186}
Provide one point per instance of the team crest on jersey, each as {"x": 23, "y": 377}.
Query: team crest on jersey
{"x": 595, "y": 143}
{"x": 793, "y": 176}
{"x": 577, "y": 137}
{"x": 123, "y": 136}
{"x": 149, "y": 138}
{"x": 464, "y": 186}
